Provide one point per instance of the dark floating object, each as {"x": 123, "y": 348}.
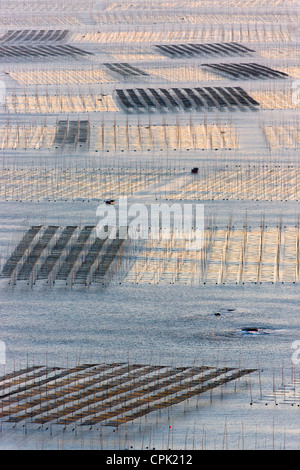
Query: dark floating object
{"x": 110, "y": 201}
{"x": 226, "y": 310}
{"x": 253, "y": 331}
{"x": 195, "y": 170}
{"x": 217, "y": 314}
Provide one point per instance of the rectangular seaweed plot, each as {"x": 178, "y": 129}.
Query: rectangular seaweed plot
{"x": 125, "y": 70}
{"x": 187, "y": 99}
{"x": 102, "y": 272}
{"x": 71, "y": 132}
{"x": 56, "y": 252}
{"x": 203, "y": 50}
{"x": 34, "y": 35}
{"x": 111, "y": 394}
{"x": 246, "y": 71}
{"x": 40, "y": 51}
{"x": 33, "y": 257}
{"x": 11, "y": 264}
{"x": 75, "y": 251}
{"x": 82, "y": 275}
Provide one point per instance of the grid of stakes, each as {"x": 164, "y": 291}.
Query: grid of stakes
{"x": 64, "y": 132}
{"x": 109, "y": 394}
{"x": 116, "y": 393}
{"x": 38, "y": 20}
{"x": 60, "y": 77}
{"x": 43, "y": 6}
{"x": 275, "y": 51}
{"x": 220, "y": 33}
{"x": 238, "y": 182}
{"x": 51, "y": 184}
{"x": 286, "y": 392}
{"x": 69, "y": 103}
{"x": 195, "y": 18}
{"x": 165, "y": 136}
{"x": 275, "y": 99}
{"x": 227, "y": 255}
{"x": 175, "y": 4}
{"x": 182, "y": 73}
{"x": 24, "y": 136}
{"x": 282, "y": 136}
{"x": 188, "y": 99}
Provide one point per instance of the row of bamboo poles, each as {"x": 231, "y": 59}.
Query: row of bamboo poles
{"x": 177, "y": 32}
{"x": 120, "y": 137}
{"x": 164, "y": 136}
{"x": 32, "y": 184}
{"x": 158, "y": 16}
